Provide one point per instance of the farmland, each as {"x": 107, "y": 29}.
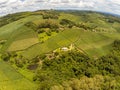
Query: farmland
{"x": 54, "y": 50}
{"x": 94, "y": 45}
{"x": 22, "y": 34}
{"x": 13, "y": 80}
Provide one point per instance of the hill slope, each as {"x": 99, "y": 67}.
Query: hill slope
{"x": 89, "y": 29}
{"x": 28, "y": 39}
{"x": 13, "y": 80}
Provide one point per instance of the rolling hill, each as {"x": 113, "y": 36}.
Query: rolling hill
{"x": 28, "y": 35}
{"x": 100, "y": 27}
{"x": 92, "y": 29}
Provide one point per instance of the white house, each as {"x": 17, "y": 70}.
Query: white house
{"x": 64, "y": 49}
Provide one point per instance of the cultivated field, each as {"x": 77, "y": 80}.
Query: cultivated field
{"x": 41, "y": 32}
{"x": 94, "y": 44}
{"x": 21, "y": 39}
{"x": 10, "y": 79}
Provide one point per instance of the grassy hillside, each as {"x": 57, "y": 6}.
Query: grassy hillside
{"x": 30, "y": 40}
{"x": 13, "y": 80}
{"x": 94, "y": 44}
{"x": 20, "y": 39}
{"x": 86, "y": 22}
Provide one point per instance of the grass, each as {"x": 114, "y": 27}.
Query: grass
{"x": 28, "y": 74}
{"x": 10, "y": 79}
{"x": 70, "y": 17}
{"x": 17, "y": 31}
{"x": 21, "y": 84}
{"x": 94, "y": 44}
{"x": 52, "y": 43}
{"x": 20, "y": 39}
{"x": 7, "y": 30}
{"x": 44, "y": 36}
{"x": 22, "y": 44}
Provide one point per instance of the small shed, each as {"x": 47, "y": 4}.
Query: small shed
{"x": 64, "y": 49}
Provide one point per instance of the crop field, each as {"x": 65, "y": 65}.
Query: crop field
{"x": 70, "y": 17}
{"x": 7, "y": 30}
{"x": 60, "y": 40}
{"x": 17, "y": 31}
{"x": 24, "y": 41}
{"x": 22, "y": 44}
{"x": 94, "y": 44}
{"x": 20, "y": 39}
{"x": 10, "y": 79}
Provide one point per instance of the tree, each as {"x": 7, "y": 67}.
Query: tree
{"x": 5, "y": 56}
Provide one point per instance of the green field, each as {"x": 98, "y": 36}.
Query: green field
{"x": 94, "y": 44}
{"x": 91, "y": 33}
{"x": 20, "y": 37}
{"x": 17, "y": 32}
{"x": 10, "y": 79}
{"x": 7, "y": 30}
{"x": 53, "y": 43}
